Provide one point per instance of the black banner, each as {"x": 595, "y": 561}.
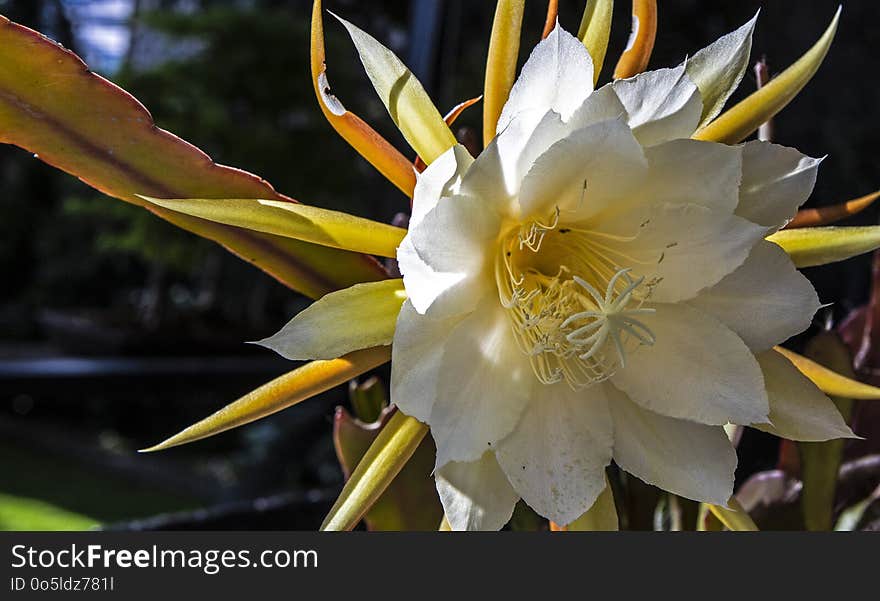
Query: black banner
{"x": 235, "y": 565}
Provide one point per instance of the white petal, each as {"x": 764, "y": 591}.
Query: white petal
{"x": 424, "y": 285}
{"x": 325, "y": 329}
{"x": 484, "y": 385}
{"x": 456, "y": 234}
{"x": 798, "y": 410}
{"x": 692, "y": 460}
{"x": 476, "y": 495}
{"x": 498, "y": 171}
{"x": 440, "y": 178}
{"x": 416, "y": 360}
{"x": 601, "y": 105}
{"x": 444, "y": 257}
{"x": 582, "y": 173}
{"x": 766, "y": 300}
{"x": 697, "y": 369}
{"x": 662, "y": 105}
{"x": 556, "y": 457}
{"x": 557, "y": 76}
{"x": 776, "y": 181}
{"x": 684, "y": 248}
{"x": 694, "y": 172}
{"x": 718, "y": 68}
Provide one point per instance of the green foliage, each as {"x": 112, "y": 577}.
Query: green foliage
{"x": 130, "y": 230}
{"x": 21, "y": 513}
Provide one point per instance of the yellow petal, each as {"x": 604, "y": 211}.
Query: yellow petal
{"x": 595, "y": 30}
{"x": 406, "y": 100}
{"x": 832, "y": 213}
{"x": 550, "y": 20}
{"x": 363, "y": 138}
{"x": 736, "y": 518}
{"x": 292, "y": 220}
{"x": 282, "y": 392}
{"x": 361, "y": 316}
{"x": 501, "y": 62}
{"x": 449, "y": 118}
{"x": 380, "y": 465}
{"x": 811, "y": 246}
{"x": 601, "y": 517}
{"x": 737, "y": 123}
{"x": 831, "y": 382}
{"x": 706, "y": 520}
{"x": 635, "y": 58}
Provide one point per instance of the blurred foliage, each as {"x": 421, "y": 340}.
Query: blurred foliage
{"x": 19, "y": 513}
{"x": 73, "y": 492}
{"x": 129, "y": 230}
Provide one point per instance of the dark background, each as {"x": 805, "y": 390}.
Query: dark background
{"x": 117, "y": 330}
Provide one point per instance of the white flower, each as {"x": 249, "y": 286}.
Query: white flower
{"x": 596, "y": 286}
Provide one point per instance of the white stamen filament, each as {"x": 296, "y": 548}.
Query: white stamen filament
{"x": 569, "y": 329}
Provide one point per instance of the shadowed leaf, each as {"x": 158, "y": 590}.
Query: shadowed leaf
{"x": 820, "y": 461}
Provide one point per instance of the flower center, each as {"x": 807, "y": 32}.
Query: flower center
{"x": 575, "y": 309}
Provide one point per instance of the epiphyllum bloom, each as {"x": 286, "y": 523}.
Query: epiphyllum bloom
{"x": 596, "y": 286}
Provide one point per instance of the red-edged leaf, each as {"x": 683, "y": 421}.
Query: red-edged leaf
{"x": 73, "y": 119}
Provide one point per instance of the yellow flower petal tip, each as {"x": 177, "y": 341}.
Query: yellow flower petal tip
{"x": 737, "y": 123}
{"x": 830, "y": 382}
{"x": 734, "y": 516}
{"x": 830, "y": 214}
{"x": 501, "y": 62}
{"x": 450, "y": 117}
{"x": 409, "y": 105}
{"x": 382, "y": 462}
{"x": 638, "y": 51}
{"x": 282, "y": 392}
{"x": 595, "y": 30}
{"x": 293, "y": 220}
{"x": 812, "y": 246}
